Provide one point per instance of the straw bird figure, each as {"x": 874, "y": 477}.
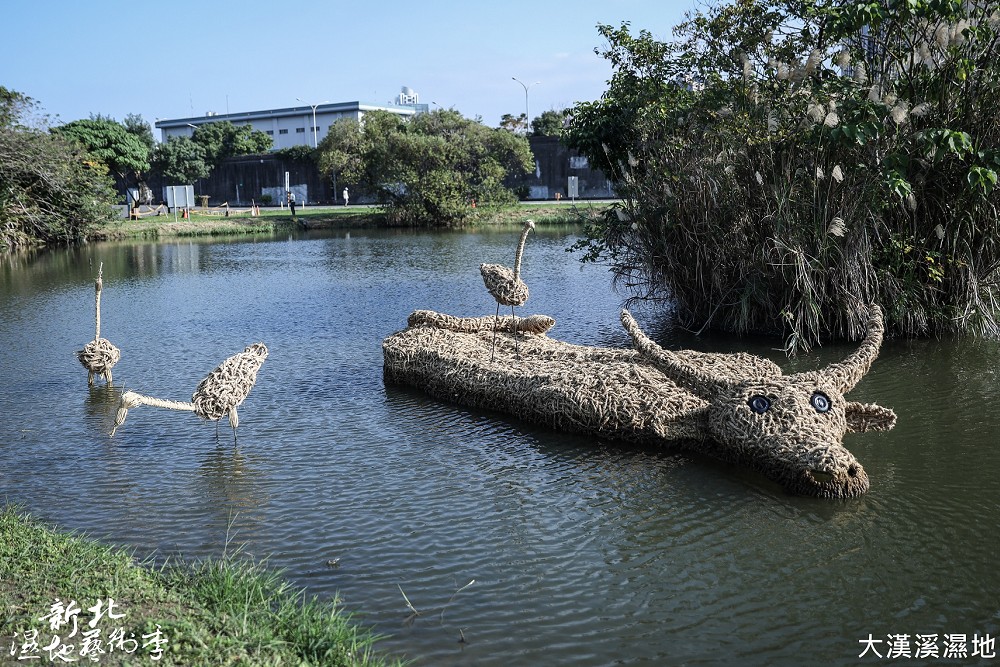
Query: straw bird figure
{"x": 220, "y": 393}
{"x": 98, "y": 356}
{"x": 506, "y": 285}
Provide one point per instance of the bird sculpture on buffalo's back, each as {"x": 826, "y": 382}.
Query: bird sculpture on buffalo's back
{"x": 736, "y": 407}
{"x": 100, "y": 355}
{"x": 505, "y": 284}
{"x": 218, "y": 394}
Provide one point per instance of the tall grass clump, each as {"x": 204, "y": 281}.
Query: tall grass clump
{"x": 782, "y": 164}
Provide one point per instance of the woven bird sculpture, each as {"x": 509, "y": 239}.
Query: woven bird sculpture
{"x": 220, "y": 393}
{"x": 506, "y": 285}
{"x": 99, "y": 356}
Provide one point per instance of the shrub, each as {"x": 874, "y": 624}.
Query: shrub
{"x": 792, "y": 162}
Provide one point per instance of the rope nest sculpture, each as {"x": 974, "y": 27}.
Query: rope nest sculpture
{"x": 735, "y": 407}
{"x": 99, "y": 356}
{"x": 218, "y": 394}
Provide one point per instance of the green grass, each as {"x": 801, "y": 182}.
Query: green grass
{"x": 225, "y": 611}
{"x": 275, "y": 220}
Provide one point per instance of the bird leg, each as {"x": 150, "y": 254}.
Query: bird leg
{"x": 496, "y": 320}
{"x": 234, "y": 421}
{"x": 513, "y": 319}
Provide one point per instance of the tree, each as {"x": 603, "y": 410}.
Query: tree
{"x": 50, "y": 191}
{"x": 181, "y": 161}
{"x": 783, "y": 163}
{"x": 641, "y": 85}
{"x": 136, "y": 125}
{"x": 551, "y": 123}
{"x": 123, "y": 153}
{"x": 14, "y": 107}
{"x": 222, "y": 140}
{"x": 514, "y": 123}
{"x": 427, "y": 170}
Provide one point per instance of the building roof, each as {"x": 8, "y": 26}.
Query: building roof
{"x": 251, "y": 116}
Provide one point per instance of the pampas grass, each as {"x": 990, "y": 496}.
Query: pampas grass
{"x": 825, "y": 189}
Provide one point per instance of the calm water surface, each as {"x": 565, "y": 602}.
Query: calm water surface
{"x": 583, "y": 552}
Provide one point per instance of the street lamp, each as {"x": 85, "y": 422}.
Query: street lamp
{"x": 315, "y": 141}
{"x": 527, "y": 119}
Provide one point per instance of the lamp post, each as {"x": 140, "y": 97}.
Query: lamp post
{"x": 315, "y": 141}
{"x": 527, "y": 119}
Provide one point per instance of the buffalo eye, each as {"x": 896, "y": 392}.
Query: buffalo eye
{"x": 759, "y": 404}
{"x": 820, "y": 401}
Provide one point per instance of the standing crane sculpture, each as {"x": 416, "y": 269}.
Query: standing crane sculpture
{"x": 98, "y": 356}
{"x": 220, "y": 393}
{"x": 506, "y": 285}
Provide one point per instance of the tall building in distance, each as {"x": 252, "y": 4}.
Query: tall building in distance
{"x": 291, "y": 126}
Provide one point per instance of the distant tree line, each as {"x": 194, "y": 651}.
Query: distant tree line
{"x": 58, "y": 181}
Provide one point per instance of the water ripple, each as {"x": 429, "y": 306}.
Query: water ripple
{"x": 583, "y": 551}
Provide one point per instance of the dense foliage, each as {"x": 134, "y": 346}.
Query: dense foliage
{"x": 51, "y": 189}
{"x": 784, "y": 162}
{"x": 180, "y": 161}
{"x": 427, "y": 170}
{"x": 222, "y": 140}
{"x": 125, "y": 154}
{"x": 550, "y": 123}
{"x": 184, "y": 160}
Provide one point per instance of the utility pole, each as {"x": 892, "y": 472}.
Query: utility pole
{"x": 315, "y": 139}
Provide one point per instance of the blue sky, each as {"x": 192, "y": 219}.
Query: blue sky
{"x": 185, "y": 58}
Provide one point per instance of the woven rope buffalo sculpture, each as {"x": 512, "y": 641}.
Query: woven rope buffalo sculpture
{"x": 736, "y": 407}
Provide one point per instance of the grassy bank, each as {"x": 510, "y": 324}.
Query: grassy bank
{"x": 227, "y": 611}
{"x": 274, "y": 220}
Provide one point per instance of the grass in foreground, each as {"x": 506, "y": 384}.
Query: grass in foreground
{"x": 228, "y": 611}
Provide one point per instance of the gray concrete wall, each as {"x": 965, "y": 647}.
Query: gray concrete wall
{"x": 554, "y": 164}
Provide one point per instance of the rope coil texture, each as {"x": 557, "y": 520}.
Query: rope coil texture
{"x": 692, "y": 400}
{"x": 218, "y": 394}
{"x": 98, "y": 356}
{"x": 503, "y": 283}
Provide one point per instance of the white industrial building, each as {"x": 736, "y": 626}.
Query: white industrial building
{"x": 295, "y": 126}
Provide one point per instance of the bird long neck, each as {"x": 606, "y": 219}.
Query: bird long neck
{"x": 131, "y": 399}
{"x": 520, "y": 252}
{"x": 98, "y": 284}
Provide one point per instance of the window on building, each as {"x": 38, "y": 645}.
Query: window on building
{"x": 270, "y": 133}
{"x": 282, "y": 131}
{"x": 299, "y": 129}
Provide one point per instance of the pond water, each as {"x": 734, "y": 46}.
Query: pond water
{"x": 583, "y": 551}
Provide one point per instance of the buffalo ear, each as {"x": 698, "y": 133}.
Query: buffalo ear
{"x": 863, "y": 417}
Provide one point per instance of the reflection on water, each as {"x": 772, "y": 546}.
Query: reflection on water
{"x": 582, "y": 551}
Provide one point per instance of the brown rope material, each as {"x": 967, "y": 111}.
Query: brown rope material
{"x": 218, "y": 394}
{"x": 503, "y": 283}
{"x": 531, "y": 324}
{"x": 695, "y": 400}
{"x": 98, "y": 356}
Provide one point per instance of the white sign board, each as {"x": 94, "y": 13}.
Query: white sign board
{"x": 573, "y": 187}
{"x": 179, "y": 196}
